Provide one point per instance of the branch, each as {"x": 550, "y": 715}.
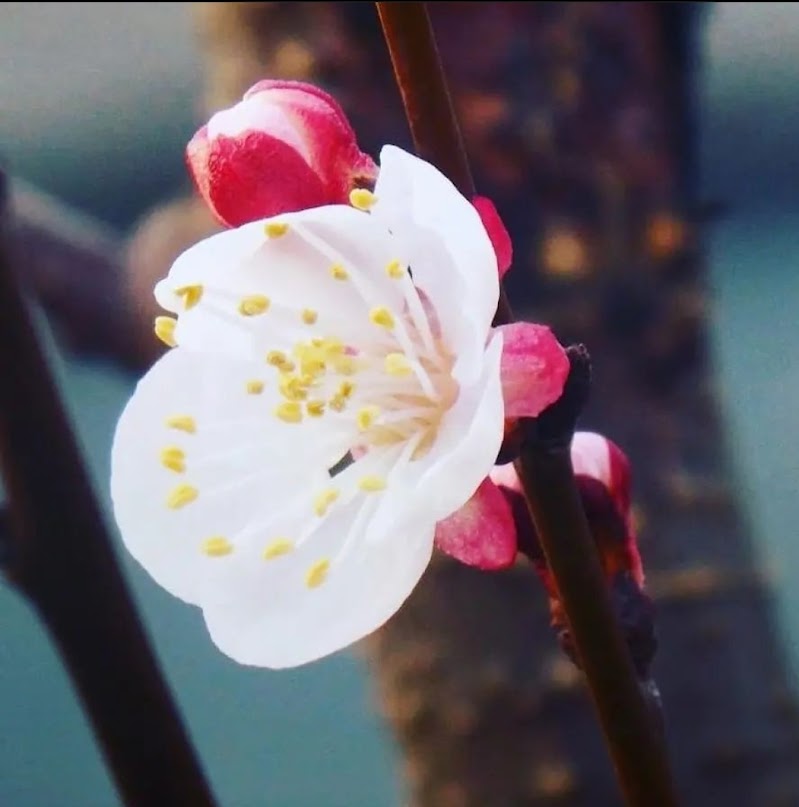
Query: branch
{"x": 545, "y": 465}
{"x": 58, "y": 554}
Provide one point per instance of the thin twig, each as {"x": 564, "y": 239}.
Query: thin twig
{"x": 544, "y": 466}
{"x": 58, "y": 553}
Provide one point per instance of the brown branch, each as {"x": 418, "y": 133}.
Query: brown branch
{"x": 59, "y": 555}
{"x": 545, "y": 465}
{"x": 74, "y": 267}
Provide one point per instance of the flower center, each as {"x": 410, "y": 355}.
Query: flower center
{"x": 393, "y": 390}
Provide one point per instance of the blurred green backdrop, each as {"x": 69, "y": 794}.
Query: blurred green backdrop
{"x": 95, "y": 107}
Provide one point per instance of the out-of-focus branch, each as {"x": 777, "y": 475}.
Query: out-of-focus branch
{"x": 72, "y": 264}
{"x": 58, "y": 554}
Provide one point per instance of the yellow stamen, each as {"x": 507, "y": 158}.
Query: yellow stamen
{"x": 366, "y": 417}
{"x": 292, "y": 388}
{"x": 382, "y": 316}
{"x": 362, "y": 198}
{"x": 339, "y": 272}
{"x": 395, "y": 270}
{"x": 323, "y": 500}
{"x": 372, "y": 484}
{"x": 183, "y": 423}
{"x": 255, "y": 387}
{"x": 309, "y": 316}
{"x": 289, "y": 412}
{"x": 397, "y": 364}
{"x": 278, "y": 547}
{"x": 253, "y": 305}
{"x": 181, "y": 496}
{"x": 191, "y": 295}
{"x": 277, "y": 358}
{"x": 165, "y": 330}
{"x": 274, "y": 229}
{"x": 315, "y": 408}
{"x": 216, "y": 547}
{"x": 174, "y": 459}
{"x": 346, "y": 388}
{"x": 317, "y": 574}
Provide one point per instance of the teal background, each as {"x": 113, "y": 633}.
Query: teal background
{"x": 95, "y": 106}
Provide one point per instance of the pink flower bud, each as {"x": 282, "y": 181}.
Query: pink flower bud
{"x": 602, "y": 473}
{"x": 285, "y": 146}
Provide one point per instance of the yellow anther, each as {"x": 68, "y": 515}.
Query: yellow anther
{"x": 346, "y": 388}
{"x": 165, "y": 330}
{"x": 366, "y": 417}
{"x": 397, "y": 364}
{"x": 274, "y": 229}
{"x": 253, "y": 305}
{"x": 315, "y": 408}
{"x": 312, "y": 368}
{"x": 362, "y": 198}
{"x": 174, "y": 459}
{"x": 191, "y": 295}
{"x": 312, "y": 359}
{"x": 317, "y": 574}
{"x": 289, "y": 412}
{"x": 323, "y": 500}
{"x": 382, "y": 316}
{"x": 255, "y": 387}
{"x": 183, "y": 423}
{"x": 372, "y": 484}
{"x": 216, "y": 547}
{"x": 181, "y": 496}
{"x": 278, "y": 547}
{"x": 292, "y": 388}
{"x": 338, "y": 272}
{"x": 395, "y": 270}
{"x": 309, "y": 316}
{"x": 277, "y": 358}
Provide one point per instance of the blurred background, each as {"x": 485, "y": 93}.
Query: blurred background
{"x": 97, "y": 101}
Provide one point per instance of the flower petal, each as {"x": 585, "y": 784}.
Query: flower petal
{"x": 250, "y": 178}
{"x": 497, "y": 232}
{"x": 482, "y": 533}
{"x": 534, "y": 369}
{"x": 293, "y": 273}
{"x": 193, "y": 437}
{"x": 331, "y": 146}
{"x": 450, "y": 253}
{"x": 273, "y": 619}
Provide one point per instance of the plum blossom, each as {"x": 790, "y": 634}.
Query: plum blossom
{"x": 285, "y": 146}
{"x": 335, "y": 391}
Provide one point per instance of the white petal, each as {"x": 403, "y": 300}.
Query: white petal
{"x": 293, "y": 272}
{"x": 244, "y": 463}
{"x": 451, "y": 255}
{"x": 272, "y": 619}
